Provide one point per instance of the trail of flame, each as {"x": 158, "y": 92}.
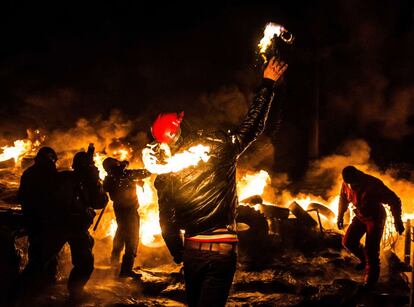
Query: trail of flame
{"x": 176, "y": 162}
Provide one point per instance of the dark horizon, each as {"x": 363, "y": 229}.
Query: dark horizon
{"x": 64, "y": 61}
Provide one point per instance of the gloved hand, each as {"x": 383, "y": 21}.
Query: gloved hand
{"x": 340, "y": 223}
{"x": 146, "y": 173}
{"x": 399, "y": 226}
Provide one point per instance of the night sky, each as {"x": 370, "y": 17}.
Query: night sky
{"x": 353, "y": 59}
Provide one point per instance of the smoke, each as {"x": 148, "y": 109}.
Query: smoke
{"x": 224, "y": 107}
{"x": 323, "y": 179}
{"x": 368, "y": 84}
{"x": 101, "y": 132}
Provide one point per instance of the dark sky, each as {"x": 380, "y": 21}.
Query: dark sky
{"x": 65, "y": 60}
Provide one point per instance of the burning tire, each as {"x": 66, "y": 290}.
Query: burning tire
{"x": 253, "y": 242}
{"x": 323, "y": 210}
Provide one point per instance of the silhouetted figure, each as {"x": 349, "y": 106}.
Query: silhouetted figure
{"x": 36, "y": 196}
{"x": 79, "y": 192}
{"x": 121, "y": 183}
{"x": 367, "y": 194}
{"x": 75, "y": 196}
{"x": 202, "y": 199}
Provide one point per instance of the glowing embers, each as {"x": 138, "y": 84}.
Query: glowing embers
{"x": 172, "y": 163}
{"x": 16, "y": 152}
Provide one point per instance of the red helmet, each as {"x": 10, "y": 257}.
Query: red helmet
{"x": 167, "y": 127}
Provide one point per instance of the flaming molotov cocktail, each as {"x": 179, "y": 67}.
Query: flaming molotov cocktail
{"x": 275, "y": 42}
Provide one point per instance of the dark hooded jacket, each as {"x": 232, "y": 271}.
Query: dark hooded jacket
{"x": 78, "y": 194}
{"x": 36, "y": 193}
{"x": 203, "y": 198}
{"x": 121, "y": 187}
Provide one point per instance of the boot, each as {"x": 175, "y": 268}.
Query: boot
{"x": 126, "y": 268}
{"x": 371, "y": 275}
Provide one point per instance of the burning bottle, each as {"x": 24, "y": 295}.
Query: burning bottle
{"x": 275, "y": 42}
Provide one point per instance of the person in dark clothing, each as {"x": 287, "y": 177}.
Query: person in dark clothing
{"x": 35, "y": 194}
{"x": 367, "y": 194}
{"x": 76, "y": 194}
{"x": 202, "y": 199}
{"x": 79, "y": 193}
{"x": 121, "y": 183}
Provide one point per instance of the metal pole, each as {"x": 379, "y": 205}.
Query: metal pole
{"x": 407, "y": 244}
{"x": 412, "y": 278}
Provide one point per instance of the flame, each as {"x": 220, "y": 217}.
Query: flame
{"x": 407, "y": 216}
{"x": 176, "y": 162}
{"x": 113, "y": 226}
{"x": 98, "y": 158}
{"x": 20, "y": 148}
{"x": 270, "y": 31}
{"x": 252, "y": 184}
{"x": 122, "y": 154}
{"x": 148, "y": 211}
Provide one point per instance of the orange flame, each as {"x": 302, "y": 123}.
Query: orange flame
{"x": 98, "y": 158}
{"x": 20, "y": 148}
{"x": 271, "y": 30}
{"x": 252, "y": 184}
{"x": 148, "y": 211}
{"x": 176, "y": 162}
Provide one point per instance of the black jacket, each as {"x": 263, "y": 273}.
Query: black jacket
{"x": 36, "y": 193}
{"x": 77, "y": 197}
{"x": 121, "y": 187}
{"x": 203, "y": 198}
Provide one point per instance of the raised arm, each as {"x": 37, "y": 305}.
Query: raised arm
{"x": 254, "y": 123}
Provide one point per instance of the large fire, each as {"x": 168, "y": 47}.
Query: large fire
{"x": 249, "y": 185}
{"x": 255, "y": 184}
{"x": 173, "y": 163}
{"x": 16, "y": 152}
{"x": 252, "y": 184}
